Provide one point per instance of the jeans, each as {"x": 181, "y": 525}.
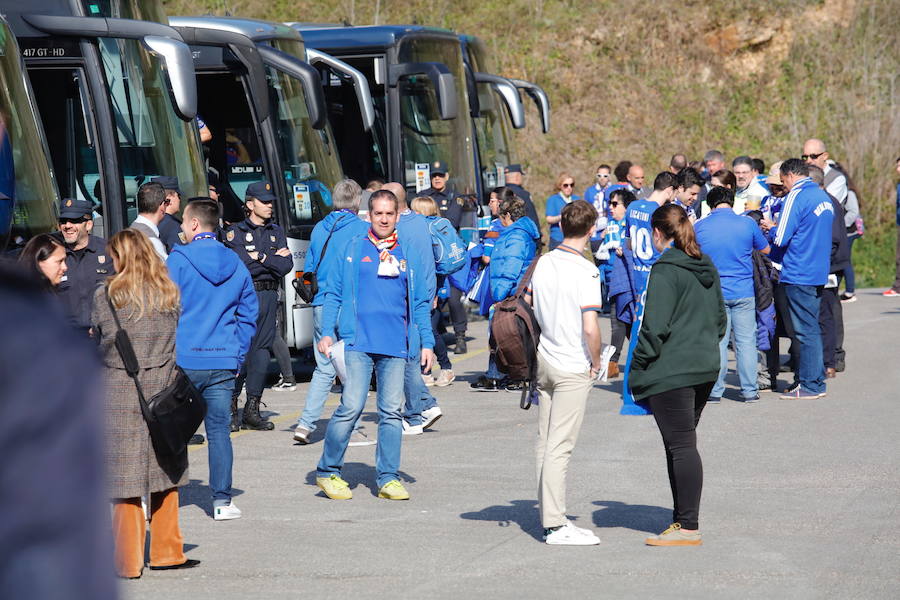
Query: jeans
{"x": 415, "y": 392}
{"x": 217, "y": 385}
{"x": 677, "y": 413}
{"x": 440, "y": 347}
{"x": 803, "y": 303}
{"x": 742, "y": 321}
{"x": 389, "y": 372}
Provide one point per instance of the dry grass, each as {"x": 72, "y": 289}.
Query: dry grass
{"x": 645, "y": 80}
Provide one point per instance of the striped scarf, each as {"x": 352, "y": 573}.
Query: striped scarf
{"x": 384, "y": 245}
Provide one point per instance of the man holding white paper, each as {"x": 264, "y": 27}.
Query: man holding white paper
{"x": 379, "y": 335}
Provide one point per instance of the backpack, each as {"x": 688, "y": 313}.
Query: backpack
{"x": 515, "y": 334}
{"x": 449, "y": 249}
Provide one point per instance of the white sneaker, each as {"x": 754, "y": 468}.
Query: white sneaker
{"x": 359, "y": 438}
{"x": 225, "y": 510}
{"x": 605, "y": 354}
{"x": 430, "y": 416}
{"x": 569, "y": 535}
{"x": 284, "y": 386}
{"x": 412, "y": 429}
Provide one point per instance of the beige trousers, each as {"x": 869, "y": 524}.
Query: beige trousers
{"x": 563, "y": 396}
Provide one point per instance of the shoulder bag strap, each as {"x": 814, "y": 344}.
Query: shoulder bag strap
{"x": 526, "y": 279}
{"x": 328, "y": 239}
{"x": 131, "y": 366}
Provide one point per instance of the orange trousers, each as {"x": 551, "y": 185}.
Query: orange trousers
{"x": 129, "y": 531}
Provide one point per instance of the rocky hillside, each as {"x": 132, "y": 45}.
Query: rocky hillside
{"x": 645, "y": 80}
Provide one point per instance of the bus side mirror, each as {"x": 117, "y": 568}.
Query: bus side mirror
{"x": 179, "y": 65}
{"x": 441, "y": 78}
{"x": 510, "y": 95}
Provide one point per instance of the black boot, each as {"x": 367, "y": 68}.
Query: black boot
{"x": 252, "y": 419}
{"x": 235, "y": 423}
{"x": 460, "y": 344}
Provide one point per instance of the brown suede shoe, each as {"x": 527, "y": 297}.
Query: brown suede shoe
{"x": 613, "y": 370}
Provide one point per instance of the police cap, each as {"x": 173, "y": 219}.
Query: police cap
{"x": 261, "y": 190}
{"x": 75, "y": 208}
{"x": 439, "y": 167}
{"x": 170, "y": 183}
{"x": 513, "y": 168}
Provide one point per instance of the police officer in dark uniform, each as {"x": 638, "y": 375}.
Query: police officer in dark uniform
{"x": 170, "y": 227}
{"x": 449, "y": 203}
{"x": 262, "y": 246}
{"x": 514, "y": 180}
{"x": 88, "y": 263}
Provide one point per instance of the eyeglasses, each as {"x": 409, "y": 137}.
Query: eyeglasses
{"x": 167, "y": 201}
{"x": 811, "y": 156}
{"x": 568, "y": 185}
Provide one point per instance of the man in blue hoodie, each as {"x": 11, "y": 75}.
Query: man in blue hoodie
{"x": 379, "y": 335}
{"x": 218, "y": 320}
{"x": 336, "y": 230}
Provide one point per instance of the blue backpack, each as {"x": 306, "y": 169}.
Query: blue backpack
{"x": 449, "y": 249}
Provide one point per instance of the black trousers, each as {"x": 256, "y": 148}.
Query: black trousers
{"x": 457, "y": 311}
{"x": 620, "y": 331}
{"x": 831, "y": 323}
{"x": 256, "y": 365}
{"x": 677, "y": 413}
{"x": 440, "y": 347}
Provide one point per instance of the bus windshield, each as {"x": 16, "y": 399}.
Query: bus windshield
{"x": 309, "y": 159}
{"x": 494, "y": 130}
{"x": 26, "y": 178}
{"x": 425, "y": 137}
{"x": 152, "y": 139}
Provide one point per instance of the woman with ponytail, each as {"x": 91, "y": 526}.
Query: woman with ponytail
{"x": 684, "y": 315}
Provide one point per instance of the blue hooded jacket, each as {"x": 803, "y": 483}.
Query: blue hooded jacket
{"x": 218, "y": 306}
{"x": 339, "y": 313}
{"x": 345, "y": 225}
{"x": 512, "y": 254}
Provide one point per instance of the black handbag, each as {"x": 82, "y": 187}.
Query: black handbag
{"x": 174, "y": 414}
{"x": 307, "y": 285}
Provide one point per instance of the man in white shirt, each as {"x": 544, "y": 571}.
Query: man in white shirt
{"x": 749, "y": 193}
{"x": 151, "y": 203}
{"x": 565, "y": 293}
{"x": 814, "y": 153}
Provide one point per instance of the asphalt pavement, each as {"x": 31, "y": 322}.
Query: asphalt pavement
{"x": 800, "y": 499}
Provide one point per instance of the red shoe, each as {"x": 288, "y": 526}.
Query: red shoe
{"x": 891, "y": 293}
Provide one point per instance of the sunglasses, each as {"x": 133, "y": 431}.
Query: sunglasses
{"x": 602, "y": 175}
{"x": 72, "y": 221}
{"x": 568, "y": 185}
{"x": 613, "y": 203}
{"x": 811, "y": 156}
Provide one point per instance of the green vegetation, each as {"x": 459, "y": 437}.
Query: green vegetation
{"x": 643, "y": 80}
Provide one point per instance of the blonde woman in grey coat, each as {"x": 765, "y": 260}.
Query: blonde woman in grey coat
{"x": 147, "y": 304}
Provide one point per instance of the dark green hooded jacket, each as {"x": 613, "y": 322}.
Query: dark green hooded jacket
{"x": 683, "y": 321}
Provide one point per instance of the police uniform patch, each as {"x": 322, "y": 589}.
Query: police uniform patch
{"x": 437, "y": 165}
{"x": 272, "y": 237}
{"x": 69, "y": 202}
{"x": 268, "y": 187}
{"x": 182, "y": 238}
{"x": 229, "y": 236}
{"x": 101, "y": 259}
{"x": 249, "y": 237}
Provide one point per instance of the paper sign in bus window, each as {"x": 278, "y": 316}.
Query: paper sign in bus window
{"x": 302, "y": 201}
{"x": 423, "y": 176}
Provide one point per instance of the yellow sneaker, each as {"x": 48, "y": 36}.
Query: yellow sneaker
{"x": 334, "y": 487}
{"x": 393, "y": 490}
